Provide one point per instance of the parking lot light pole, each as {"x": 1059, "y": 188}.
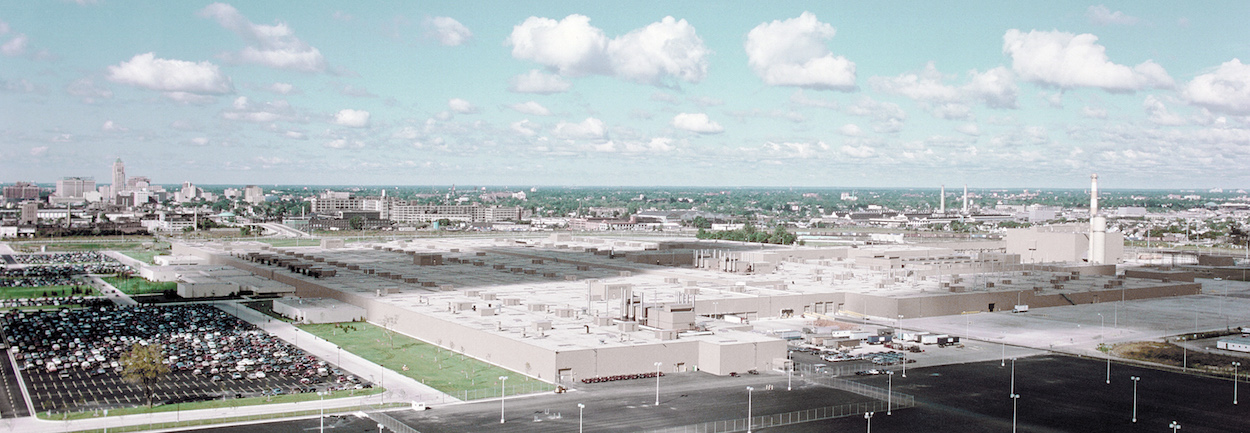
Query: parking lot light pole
{"x": 868, "y": 416}
{"x": 1108, "y": 369}
{"x": 503, "y": 380}
{"x": 657, "y": 383}
{"x": 1135, "y": 379}
{"x": 790, "y": 378}
{"x": 1174, "y": 426}
{"x": 580, "y": 407}
{"x": 322, "y": 394}
{"x": 1013, "y": 375}
{"x": 889, "y": 393}
{"x": 1014, "y": 399}
{"x": 1235, "y": 365}
{"x": 749, "y": 389}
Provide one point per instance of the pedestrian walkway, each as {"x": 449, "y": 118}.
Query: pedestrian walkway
{"x": 112, "y": 293}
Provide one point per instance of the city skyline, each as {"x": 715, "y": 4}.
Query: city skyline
{"x": 536, "y": 94}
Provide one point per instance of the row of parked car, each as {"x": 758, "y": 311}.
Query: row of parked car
{"x": 623, "y": 377}
{"x": 198, "y": 339}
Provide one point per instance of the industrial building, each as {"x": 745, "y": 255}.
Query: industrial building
{"x": 317, "y": 310}
{"x": 564, "y": 307}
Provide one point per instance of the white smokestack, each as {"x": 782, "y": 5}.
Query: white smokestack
{"x": 965, "y": 198}
{"x": 1097, "y": 225}
{"x": 942, "y": 209}
{"x": 1093, "y": 195}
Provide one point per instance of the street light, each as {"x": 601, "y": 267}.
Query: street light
{"x": 1014, "y": 398}
{"x": 868, "y": 416}
{"x": 1175, "y": 426}
{"x": 657, "y": 383}
{"x": 1235, "y": 365}
{"x": 322, "y": 394}
{"x": 889, "y": 393}
{"x": 749, "y": 389}
{"x": 1013, "y": 375}
{"x": 789, "y": 376}
{"x": 1135, "y": 379}
{"x": 580, "y": 407}
{"x": 1108, "y": 368}
{"x": 503, "y": 381}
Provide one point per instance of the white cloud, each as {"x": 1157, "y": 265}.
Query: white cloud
{"x": 1068, "y": 60}
{"x": 1094, "y": 113}
{"x": 343, "y": 143}
{"x": 969, "y": 129}
{"x": 696, "y": 122}
{"x": 271, "y": 45}
{"x": 283, "y": 88}
{"x": 244, "y": 110}
{"x": 86, "y": 89}
{"x": 295, "y": 135}
{"x": 926, "y": 86}
{"x": 38, "y": 151}
{"x": 860, "y": 151}
{"x": 1226, "y": 89}
{"x": 1053, "y": 99}
{"x": 589, "y": 129}
{"x": 110, "y": 126}
{"x": 190, "y": 98}
{"x": 887, "y": 117}
{"x": 15, "y": 46}
{"x": 657, "y": 54}
{"x": 850, "y": 130}
{"x": 1101, "y": 15}
{"x": 148, "y": 71}
{"x": 352, "y": 118}
{"x": 794, "y": 53}
{"x": 461, "y": 106}
{"x": 4, "y": 28}
{"x": 525, "y": 128}
{"x": 199, "y": 141}
{"x": 995, "y": 88}
{"x": 19, "y": 86}
{"x": 448, "y": 31}
{"x": 796, "y": 150}
{"x": 532, "y": 108}
{"x": 536, "y": 81}
{"x": 800, "y": 98}
{"x": 1158, "y": 113}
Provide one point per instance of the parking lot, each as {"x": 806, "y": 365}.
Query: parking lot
{"x": 78, "y": 390}
{"x": 69, "y": 358}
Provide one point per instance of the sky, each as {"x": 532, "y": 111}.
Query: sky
{"x": 1148, "y": 94}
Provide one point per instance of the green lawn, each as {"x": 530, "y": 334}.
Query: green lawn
{"x": 210, "y": 404}
{"x": 39, "y": 292}
{"x": 143, "y": 256}
{"x": 139, "y": 286}
{"x": 437, "y": 367}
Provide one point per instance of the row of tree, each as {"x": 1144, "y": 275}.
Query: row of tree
{"x": 748, "y": 233}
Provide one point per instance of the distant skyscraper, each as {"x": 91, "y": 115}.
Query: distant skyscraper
{"x": 74, "y": 186}
{"x": 119, "y": 177}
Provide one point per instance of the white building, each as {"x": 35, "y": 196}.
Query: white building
{"x": 1237, "y": 344}
{"x": 318, "y": 310}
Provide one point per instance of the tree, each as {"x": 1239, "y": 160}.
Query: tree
{"x": 356, "y": 222}
{"x": 144, "y": 365}
{"x": 701, "y": 222}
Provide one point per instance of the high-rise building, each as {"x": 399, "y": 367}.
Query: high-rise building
{"x": 74, "y": 186}
{"x": 119, "y": 177}
{"x": 254, "y": 194}
{"x": 21, "y": 191}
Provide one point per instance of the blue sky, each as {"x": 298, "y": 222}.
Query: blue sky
{"x": 861, "y": 94}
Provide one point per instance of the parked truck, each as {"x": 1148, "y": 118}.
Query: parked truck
{"x": 1020, "y": 309}
{"x": 932, "y": 339}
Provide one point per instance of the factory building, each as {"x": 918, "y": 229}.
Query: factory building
{"x": 565, "y": 307}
